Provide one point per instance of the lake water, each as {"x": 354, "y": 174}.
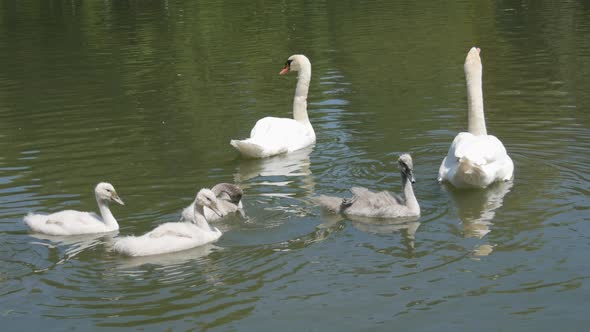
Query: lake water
{"x": 147, "y": 95}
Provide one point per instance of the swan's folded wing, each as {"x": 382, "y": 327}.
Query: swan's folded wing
{"x": 73, "y": 217}
{"x": 54, "y": 222}
{"x": 479, "y": 149}
{"x": 169, "y": 233}
{"x": 176, "y": 229}
{"x": 281, "y": 132}
{"x": 375, "y": 200}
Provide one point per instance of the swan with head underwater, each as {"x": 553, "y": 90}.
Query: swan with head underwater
{"x": 70, "y": 222}
{"x": 272, "y": 136}
{"x": 229, "y": 200}
{"x": 366, "y": 203}
{"x": 175, "y": 236}
{"x": 475, "y": 159}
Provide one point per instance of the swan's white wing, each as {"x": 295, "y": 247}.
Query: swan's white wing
{"x": 271, "y": 136}
{"x": 476, "y": 161}
{"x": 282, "y": 132}
{"x": 68, "y": 222}
{"x": 166, "y": 238}
{"x": 480, "y": 150}
{"x": 174, "y": 229}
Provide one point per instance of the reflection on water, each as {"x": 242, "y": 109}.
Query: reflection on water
{"x": 75, "y": 244}
{"x": 407, "y": 226}
{"x": 171, "y": 259}
{"x": 279, "y": 171}
{"x": 285, "y": 176}
{"x": 165, "y": 87}
{"x": 477, "y": 208}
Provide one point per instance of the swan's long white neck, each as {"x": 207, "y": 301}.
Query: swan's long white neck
{"x": 200, "y": 220}
{"x": 476, "y": 122}
{"x": 107, "y": 217}
{"x": 411, "y": 201}
{"x": 300, "y": 99}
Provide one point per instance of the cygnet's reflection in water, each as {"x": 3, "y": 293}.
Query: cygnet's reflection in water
{"x": 177, "y": 268}
{"x": 407, "y": 226}
{"x": 169, "y": 259}
{"x": 477, "y": 209}
{"x": 75, "y": 244}
{"x": 283, "y": 176}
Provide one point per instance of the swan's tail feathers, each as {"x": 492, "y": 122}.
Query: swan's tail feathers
{"x": 333, "y": 204}
{"x": 33, "y": 220}
{"x": 253, "y": 150}
{"x": 472, "y": 173}
{"x": 248, "y": 149}
{"x": 130, "y": 245}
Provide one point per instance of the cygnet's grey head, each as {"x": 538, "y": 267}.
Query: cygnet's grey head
{"x": 106, "y": 192}
{"x": 295, "y": 63}
{"x": 206, "y": 197}
{"x": 407, "y": 166}
{"x": 229, "y": 192}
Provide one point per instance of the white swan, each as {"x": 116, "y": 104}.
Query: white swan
{"x": 174, "y": 236}
{"x": 70, "y": 222}
{"x": 475, "y": 159}
{"x": 271, "y": 136}
{"x": 229, "y": 200}
{"x": 366, "y": 203}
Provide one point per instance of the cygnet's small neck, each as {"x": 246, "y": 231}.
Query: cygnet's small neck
{"x": 411, "y": 201}
{"x": 200, "y": 219}
{"x": 107, "y": 216}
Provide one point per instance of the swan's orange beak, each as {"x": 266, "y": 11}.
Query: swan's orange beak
{"x": 285, "y": 70}
{"x": 478, "y": 50}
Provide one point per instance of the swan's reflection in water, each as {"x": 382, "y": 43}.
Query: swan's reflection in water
{"x": 74, "y": 244}
{"x": 279, "y": 171}
{"x": 477, "y": 209}
{"x": 284, "y": 176}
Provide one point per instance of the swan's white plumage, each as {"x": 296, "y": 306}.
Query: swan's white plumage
{"x": 174, "y": 236}
{"x": 272, "y": 136}
{"x": 166, "y": 238}
{"x": 70, "y": 222}
{"x": 475, "y": 159}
